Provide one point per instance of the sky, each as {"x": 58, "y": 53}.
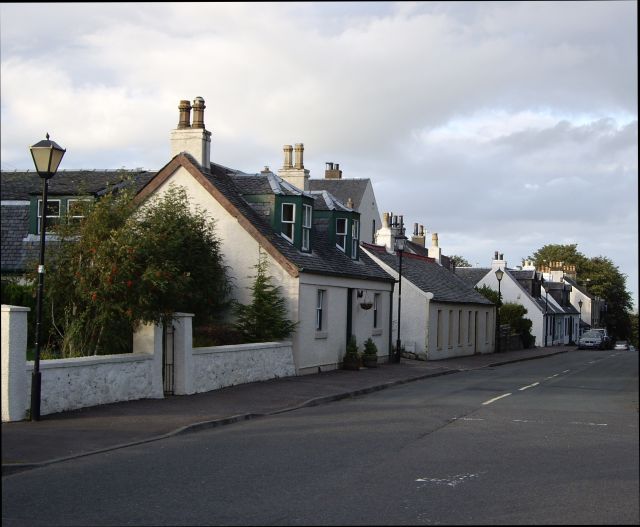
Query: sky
{"x": 500, "y": 126}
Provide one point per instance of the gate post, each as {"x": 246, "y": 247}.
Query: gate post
{"x": 183, "y": 354}
{"x": 14, "y": 363}
{"x": 148, "y": 339}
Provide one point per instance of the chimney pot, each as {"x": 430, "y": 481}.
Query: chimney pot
{"x": 495, "y": 255}
{"x": 385, "y": 219}
{"x": 415, "y": 229}
{"x": 299, "y": 152}
{"x": 185, "y": 115}
{"x": 288, "y": 149}
{"x": 198, "y": 112}
{"x": 434, "y": 239}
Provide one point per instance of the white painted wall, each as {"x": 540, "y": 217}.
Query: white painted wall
{"x": 368, "y": 212}
{"x": 220, "y": 366}
{"x": 325, "y": 349}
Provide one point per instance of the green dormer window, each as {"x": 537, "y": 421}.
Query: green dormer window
{"x": 58, "y": 209}
{"x": 288, "y": 221}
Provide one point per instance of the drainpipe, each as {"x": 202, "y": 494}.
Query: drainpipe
{"x": 390, "y": 358}
{"x": 429, "y": 296}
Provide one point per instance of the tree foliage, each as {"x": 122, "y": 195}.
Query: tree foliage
{"x": 265, "y": 319}
{"x": 488, "y": 293}
{"x": 601, "y": 278}
{"x": 127, "y": 264}
{"x": 514, "y": 315}
{"x": 459, "y": 261}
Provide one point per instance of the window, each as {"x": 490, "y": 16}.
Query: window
{"x": 53, "y": 212}
{"x": 320, "y": 309}
{"x": 439, "y": 330}
{"x": 77, "y": 208}
{"x": 450, "y": 341}
{"x": 341, "y": 234}
{"x": 469, "y": 329}
{"x": 486, "y": 328}
{"x": 355, "y": 238}
{"x": 459, "y": 327}
{"x": 306, "y": 227}
{"x": 288, "y": 220}
{"x": 376, "y": 315}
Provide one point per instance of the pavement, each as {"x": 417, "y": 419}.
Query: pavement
{"x": 67, "y": 435}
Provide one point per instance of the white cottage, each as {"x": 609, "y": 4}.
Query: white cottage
{"x": 441, "y": 315}
{"x": 311, "y": 240}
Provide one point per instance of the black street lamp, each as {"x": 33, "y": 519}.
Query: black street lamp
{"x": 46, "y": 157}
{"x": 399, "y": 246}
{"x": 546, "y": 314}
{"x": 499, "y": 275}
{"x": 580, "y": 319}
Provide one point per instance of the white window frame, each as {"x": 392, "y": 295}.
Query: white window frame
{"x": 355, "y": 238}
{"x": 320, "y": 308}
{"x": 307, "y": 216}
{"x": 341, "y": 235}
{"x": 39, "y": 212}
{"x": 69, "y": 201}
{"x": 290, "y": 224}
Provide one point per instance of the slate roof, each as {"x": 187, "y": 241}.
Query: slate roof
{"x": 325, "y": 258}
{"x": 471, "y": 275}
{"x": 17, "y": 250}
{"x": 22, "y": 185}
{"x": 343, "y": 189}
{"x": 575, "y": 284}
{"x": 430, "y": 277}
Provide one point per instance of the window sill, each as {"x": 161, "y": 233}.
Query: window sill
{"x": 376, "y": 332}
{"x": 321, "y": 334}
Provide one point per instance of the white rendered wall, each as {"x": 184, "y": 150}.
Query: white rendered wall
{"x": 220, "y": 366}
{"x": 15, "y": 398}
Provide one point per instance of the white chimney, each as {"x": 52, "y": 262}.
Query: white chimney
{"x": 434, "y": 251}
{"x": 192, "y": 139}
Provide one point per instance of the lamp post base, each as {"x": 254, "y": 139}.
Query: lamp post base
{"x": 36, "y": 380}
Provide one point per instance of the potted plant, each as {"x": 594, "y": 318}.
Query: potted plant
{"x": 370, "y": 354}
{"x": 352, "y": 356}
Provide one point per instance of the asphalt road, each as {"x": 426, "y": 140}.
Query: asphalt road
{"x": 551, "y": 441}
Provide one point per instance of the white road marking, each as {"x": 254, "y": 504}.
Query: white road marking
{"x": 530, "y": 386}
{"x": 450, "y": 481}
{"x": 496, "y": 398}
{"x": 588, "y": 424}
{"x": 466, "y": 419}
{"x": 566, "y": 371}
{"x": 552, "y": 376}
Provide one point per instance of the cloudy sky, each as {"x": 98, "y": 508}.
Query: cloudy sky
{"x": 500, "y": 126}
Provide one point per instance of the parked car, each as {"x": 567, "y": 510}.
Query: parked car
{"x": 621, "y": 345}
{"x": 606, "y": 340}
{"x": 591, "y": 339}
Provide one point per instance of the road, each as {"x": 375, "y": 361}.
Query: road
{"x": 549, "y": 441}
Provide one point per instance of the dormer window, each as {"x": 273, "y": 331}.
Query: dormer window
{"x": 355, "y": 238}
{"x": 306, "y": 227}
{"x": 288, "y": 221}
{"x": 341, "y": 234}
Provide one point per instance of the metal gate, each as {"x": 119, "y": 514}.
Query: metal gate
{"x": 167, "y": 358}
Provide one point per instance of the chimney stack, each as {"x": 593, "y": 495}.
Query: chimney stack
{"x": 350, "y": 203}
{"x": 332, "y": 171}
{"x": 418, "y": 235}
{"x": 295, "y": 173}
{"x": 192, "y": 138}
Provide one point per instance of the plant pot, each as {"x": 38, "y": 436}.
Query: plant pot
{"x": 351, "y": 363}
{"x": 370, "y": 361}
{"x": 366, "y": 305}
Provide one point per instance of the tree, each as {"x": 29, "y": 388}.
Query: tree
{"x": 514, "y": 315}
{"x": 489, "y": 294}
{"x": 459, "y": 261}
{"x": 603, "y": 279}
{"x": 265, "y": 319}
{"x": 127, "y": 264}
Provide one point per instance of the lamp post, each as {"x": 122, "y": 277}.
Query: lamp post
{"x": 46, "y": 157}
{"x": 546, "y": 315}
{"x": 399, "y": 246}
{"x": 499, "y": 275}
{"x": 580, "y": 319}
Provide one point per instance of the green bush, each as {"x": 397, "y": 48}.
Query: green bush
{"x": 370, "y": 348}
{"x": 513, "y": 314}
